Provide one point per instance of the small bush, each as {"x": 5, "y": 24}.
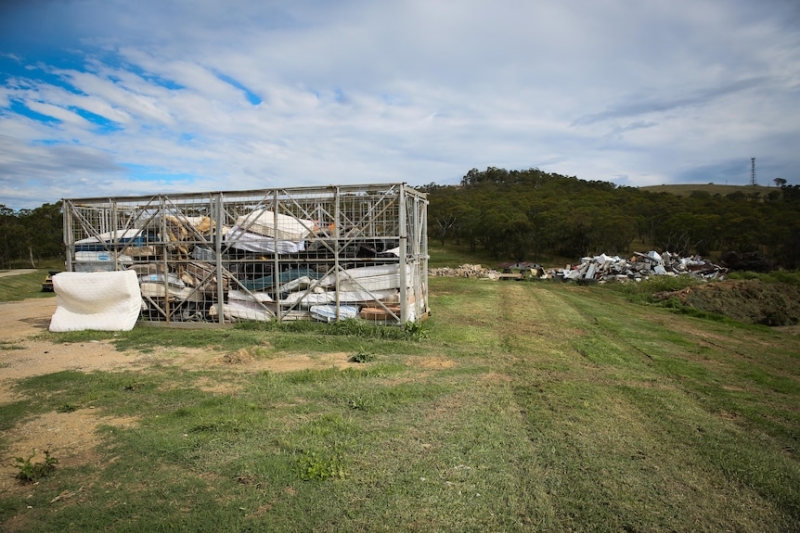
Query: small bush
{"x": 30, "y": 471}
{"x": 362, "y": 357}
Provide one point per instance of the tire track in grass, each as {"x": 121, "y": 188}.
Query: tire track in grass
{"x": 607, "y": 462}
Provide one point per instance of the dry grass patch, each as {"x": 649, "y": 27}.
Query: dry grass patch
{"x": 432, "y": 362}
{"x": 206, "y": 384}
{"x": 239, "y": 357}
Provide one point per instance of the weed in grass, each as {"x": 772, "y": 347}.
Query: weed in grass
{"x": 360, "y": 403}
{"x": 134, "y": 386}
{"x": 320, "y": 465}
{"x": 362, "y": 356}
{"x": 30, "y": 471}
{"x": 68, "y": 408}
{"x": 415, "y": 330}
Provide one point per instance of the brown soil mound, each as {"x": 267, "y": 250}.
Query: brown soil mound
{"x": 748, "y": 301}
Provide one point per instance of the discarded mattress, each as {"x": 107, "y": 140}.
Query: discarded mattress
{"x": 349, "y": 297}
{"x": 100, "y": 261}
{"x": 327, "y": 313}
{"x": 238, "y": 296}
{"x": 123, "y": 237}
{"x": 246, "y": 306}
{"x": 158, "y": 290}
{"x": 171, "y": 279}
{"x": 105, "y": 301}
{"x": 248, "y": 241}
{"x": 242, "y": 310}
{"x": 287, "y": 276}
{"x": 371, "y": 278}
{"x": 270, "y": 224}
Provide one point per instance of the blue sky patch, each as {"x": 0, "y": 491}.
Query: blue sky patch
{"x": 147, "y": 76}
{"x": 46, "y": 142}
{"x": 102, "y": 124}
{"x": 32, "y": 74}
{"x": 252, "y": 97}
{"x": 21, "y": 109}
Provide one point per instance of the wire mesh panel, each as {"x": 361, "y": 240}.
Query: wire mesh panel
{"x": 328, "y": 254}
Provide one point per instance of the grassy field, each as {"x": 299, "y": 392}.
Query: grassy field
{"x": 519, "y": 407}
{"x": 21, "y": 286}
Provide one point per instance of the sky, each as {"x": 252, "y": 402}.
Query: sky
{"x": 104, "y": 98}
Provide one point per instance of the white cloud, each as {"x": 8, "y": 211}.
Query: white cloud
{"x": 413, "y": 90}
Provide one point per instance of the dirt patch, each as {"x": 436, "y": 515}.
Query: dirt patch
{"x": 22, "y": 319}
{"x": 70, "y": 437}
{"x": 294, "y": 363}
{"x": 748, "y": 301}
{"x": 23, "y": 355}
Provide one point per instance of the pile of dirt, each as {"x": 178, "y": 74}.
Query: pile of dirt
{"x": 748, "y": 301}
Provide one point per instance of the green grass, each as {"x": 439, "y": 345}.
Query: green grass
{"x": 524, "y": 407}
{"x": 22, "y": 286}
{"x": 790, "y": 277}
{"x": 452, "y": 255}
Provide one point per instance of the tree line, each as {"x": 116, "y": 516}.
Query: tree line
{"x": 528, "y": 214}
{"x": 29, "y": 236}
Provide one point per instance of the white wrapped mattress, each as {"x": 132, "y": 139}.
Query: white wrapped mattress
{"x": 105, "y": 301}
{"x": 249, "y": 241}
{"x": 270, "y": 224}
{"x": 371, "y": 278}
{"x": 243, "y": 310}
{"x": 349, "y": 297}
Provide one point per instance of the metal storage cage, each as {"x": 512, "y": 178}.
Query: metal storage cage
{"x": 324, "y": 253}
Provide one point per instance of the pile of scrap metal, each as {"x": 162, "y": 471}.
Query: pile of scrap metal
{"x": 603, "y": 268}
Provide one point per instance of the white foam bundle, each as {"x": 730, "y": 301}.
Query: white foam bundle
{"x": 105, "y": 301}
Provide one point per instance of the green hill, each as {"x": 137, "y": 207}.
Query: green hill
{"x": 686, "y": 189}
